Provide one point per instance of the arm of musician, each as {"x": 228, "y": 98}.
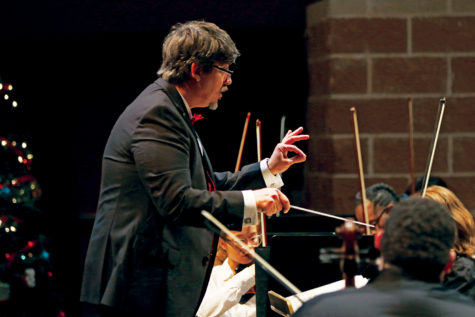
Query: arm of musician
{"x": 224, "y": 292}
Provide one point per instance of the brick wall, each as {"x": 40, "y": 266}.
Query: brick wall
{"x": 373, "y": 55}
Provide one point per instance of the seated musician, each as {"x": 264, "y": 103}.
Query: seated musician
{"x": 231, "y": 288}
{"x": 379, "y": 196}
{"x": 416, "y": 245}
{"x": 380, "y": 199}
{"x": 462, "y": 276}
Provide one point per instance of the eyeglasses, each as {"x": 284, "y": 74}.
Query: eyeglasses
{"x": 227, "y": 71}
{"x": 386, "y": 210}
{"x": 253, "y": 241}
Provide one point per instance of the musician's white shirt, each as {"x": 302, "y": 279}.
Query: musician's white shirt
{"x": 225, "y": 290}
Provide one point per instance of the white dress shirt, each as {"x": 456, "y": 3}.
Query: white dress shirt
{"x": 225, "y": 290}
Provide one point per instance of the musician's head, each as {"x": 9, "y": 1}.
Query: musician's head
{"x": 418, "y": 237}
{"x": 465, "y": 241}
{"x": 379, "y": 197}
{"x": 196, "y": 56}
{"x": 229, "y": 249}
{"x": 237, "y": 255}
{"x": 419, "y": 184}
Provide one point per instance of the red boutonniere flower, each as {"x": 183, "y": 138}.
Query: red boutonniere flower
{"x": 196, "y": 117}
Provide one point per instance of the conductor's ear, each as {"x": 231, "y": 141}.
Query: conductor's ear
{"x": 196, "y": 71}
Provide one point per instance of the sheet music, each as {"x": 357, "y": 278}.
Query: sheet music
{"x": 360, "y": 281}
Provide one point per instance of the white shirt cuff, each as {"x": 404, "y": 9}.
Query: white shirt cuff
{"x": 271, "y": 180}
{"x": 250, "y": 208}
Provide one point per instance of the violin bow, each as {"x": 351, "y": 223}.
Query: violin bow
{"x": 430, "y": 159}
{"x": 360, "y": 168}
{"x": 263, "y": 223}
{"x": 411, "y": 145}
{"x": 282, "y": 127}
{"x": 243, "y": 139}
{"x": 282, "y": 134}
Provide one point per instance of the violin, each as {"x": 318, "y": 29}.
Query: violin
{"x": 349, "y": 261}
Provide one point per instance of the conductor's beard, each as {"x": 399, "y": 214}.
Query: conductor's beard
{"x": 213, "y": 106}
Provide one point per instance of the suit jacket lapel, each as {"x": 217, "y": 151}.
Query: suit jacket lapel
{"x": 177, "y": 100}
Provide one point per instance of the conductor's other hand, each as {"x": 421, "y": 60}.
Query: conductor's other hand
{"x": 270, "y": 201}
{"x": 280, "y": 161}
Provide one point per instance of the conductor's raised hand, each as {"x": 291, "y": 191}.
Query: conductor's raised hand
{"x": 270, "y": 201}
{"x": 280, "y": 161}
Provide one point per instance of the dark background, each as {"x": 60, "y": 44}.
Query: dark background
{"x": 75, "y": 65}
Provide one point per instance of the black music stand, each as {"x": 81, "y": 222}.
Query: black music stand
{"x": 262, "y": 283}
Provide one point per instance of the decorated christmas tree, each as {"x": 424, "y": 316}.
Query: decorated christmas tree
{"x": 27, "y": 279}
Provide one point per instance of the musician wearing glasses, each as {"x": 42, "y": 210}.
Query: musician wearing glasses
{"x": 231, "y": 289}
{"x": 379, "y": 197}
{"x": 150, "y": 252}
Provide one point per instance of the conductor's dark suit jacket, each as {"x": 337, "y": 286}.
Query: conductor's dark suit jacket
{"x": 149, "y": 248}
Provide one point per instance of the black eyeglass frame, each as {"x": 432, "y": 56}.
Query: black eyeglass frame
{"x": 386, "y": 210}
{"x": 228, "y": 71}
{"x": 245, "y": 241}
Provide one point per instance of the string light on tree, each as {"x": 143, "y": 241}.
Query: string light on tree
{"x": 24, "y": 155}
{"x": 5, "y": 90}
{"x": 25, "y": 261}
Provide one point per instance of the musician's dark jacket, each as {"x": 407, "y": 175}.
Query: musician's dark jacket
{"x": 391, "y": 294}
{"x": 149, "y": 249}
{"x": 462, "y": 276}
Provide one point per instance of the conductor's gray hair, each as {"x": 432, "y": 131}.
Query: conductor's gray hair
{"x": 194, "y": 42}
